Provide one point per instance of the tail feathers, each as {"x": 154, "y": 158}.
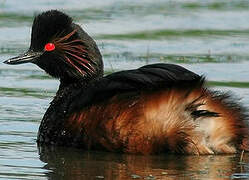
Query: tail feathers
{"x": 199, "y": 121}
{"x": 231, "y": 127}
{"x": 221, "y": 122}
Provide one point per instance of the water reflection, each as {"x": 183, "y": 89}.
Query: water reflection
{"x": 69, "y": 163}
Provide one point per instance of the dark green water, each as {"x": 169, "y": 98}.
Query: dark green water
{"x": 209, "y": 37}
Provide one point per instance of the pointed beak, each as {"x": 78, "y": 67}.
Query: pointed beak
{"x": 29, "y": 56}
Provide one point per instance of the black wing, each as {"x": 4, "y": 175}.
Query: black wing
{"x": 146, "y": 78}
{"x": 154, "y": 75}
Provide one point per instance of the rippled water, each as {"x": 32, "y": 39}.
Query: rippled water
{"x": 209, "y": 37}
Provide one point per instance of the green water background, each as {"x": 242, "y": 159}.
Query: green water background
{"x": 209, "y": 37}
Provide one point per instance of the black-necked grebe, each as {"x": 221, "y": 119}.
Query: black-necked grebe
{"x": 158, "y": 108}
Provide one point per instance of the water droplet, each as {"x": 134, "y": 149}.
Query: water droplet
{"x": 100, "y": 177}
{"x": 150, "y": 177}
{"x": 134, "y": 176}
{"x": 63, "y": 133}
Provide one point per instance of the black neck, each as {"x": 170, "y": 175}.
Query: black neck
{"x": 76, "y": 83}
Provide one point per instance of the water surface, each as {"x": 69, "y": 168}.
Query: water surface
{"x": 209, "y": 37}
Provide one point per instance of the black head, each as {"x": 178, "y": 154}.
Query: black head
{"x": 62, "y": 49}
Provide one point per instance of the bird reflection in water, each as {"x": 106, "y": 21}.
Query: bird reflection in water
{"x": 70, "y": 163}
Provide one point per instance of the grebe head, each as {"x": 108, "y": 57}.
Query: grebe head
{"x": 61, "y": 48}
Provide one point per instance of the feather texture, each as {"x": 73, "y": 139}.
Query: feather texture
{"x": 149, "y": 110}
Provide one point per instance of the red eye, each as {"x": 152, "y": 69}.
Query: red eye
{"x": 49, "y": 47}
